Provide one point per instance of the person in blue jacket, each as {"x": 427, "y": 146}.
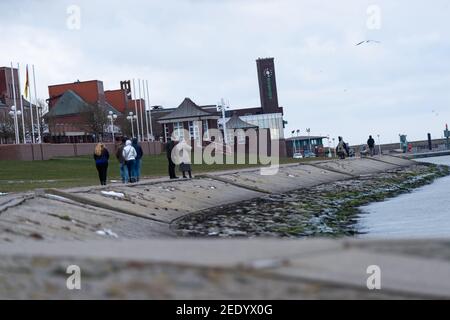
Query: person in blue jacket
{"x": 138, "y": 162}
{"x": 101, "y": 157}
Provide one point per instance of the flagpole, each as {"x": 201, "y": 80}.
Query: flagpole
{"x": 135, "y": 108}
{"x": 140, "y": 107}
{"x": 33, "y": 137}
{"x": 16, "y": 127}
{"x": 38, "y": 116}
{"x": 146, "y": 111}
{"x": 149, "y": 112}
{"x": 21, "y": 104}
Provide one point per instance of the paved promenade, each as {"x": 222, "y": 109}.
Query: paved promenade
{"x": 226, "y": 269}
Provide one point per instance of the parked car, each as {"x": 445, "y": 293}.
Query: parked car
{"x": 298, "y": 156}
{"x": 309, "y": 154}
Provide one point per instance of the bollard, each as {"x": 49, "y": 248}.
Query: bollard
{"x": 430, "y": 146}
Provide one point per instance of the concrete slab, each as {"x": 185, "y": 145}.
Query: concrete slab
{"x": 287, "y": 178}
{"x": 254, "y": 254}
{"x": 393, "y": 160}
{"x": 356, "y": 166}
{"x": 50, "y": 219}
{"x": 315, "y": 266}
{"x": 406, "y": 274}
{"x": 165, "y": 201}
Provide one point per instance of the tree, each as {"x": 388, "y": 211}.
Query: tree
{"x": 96, "y": 120}
{"x": 124, "y": 124}
{"x": 7, "y": 131}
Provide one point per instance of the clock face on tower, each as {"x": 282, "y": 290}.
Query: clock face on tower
{"x": 267, "y": 85}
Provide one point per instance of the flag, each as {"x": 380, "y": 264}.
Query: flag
{"x": 27, "y": 84}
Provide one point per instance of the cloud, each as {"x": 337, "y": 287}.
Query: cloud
{"x": 207, "y": 50}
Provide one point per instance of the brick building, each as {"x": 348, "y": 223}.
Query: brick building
{"x": 78, "y": 111}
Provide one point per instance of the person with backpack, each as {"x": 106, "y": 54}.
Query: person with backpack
{"x": 342, "y": 149}
{"x": 123, "y": 166}
{"x": 101, "y": 157}
{"x": 371, "y": 144}
{"x": 129, "y": 154}
{"x": 138, "y": 160}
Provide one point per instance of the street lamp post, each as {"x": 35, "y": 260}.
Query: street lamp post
{"x": 132, "y": 117}
{"x": 334, "y": 149}
{"x": 309, "y": 139}
{"x": 112, "y": 117}
{"x": 221, "y": 107}
{"x": 379, "y": 144}
{"x": 329, "y": 147}
{"x": 447, "y": 136}
{"x": 15, "y": 114}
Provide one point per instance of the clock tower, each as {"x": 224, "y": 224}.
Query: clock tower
{"x": 267, "y": 85}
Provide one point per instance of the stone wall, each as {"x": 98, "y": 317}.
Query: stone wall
{"x": 46, "y": 151}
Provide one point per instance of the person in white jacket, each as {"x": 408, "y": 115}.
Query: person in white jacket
{"x": 129, "y": 155}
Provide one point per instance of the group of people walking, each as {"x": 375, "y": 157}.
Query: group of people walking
{"x": 179, "y": 152}
{"x": 129, "y": 154}
{"x": 343, "y": 150}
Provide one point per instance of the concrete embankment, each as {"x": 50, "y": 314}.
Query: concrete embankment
{"x": 227, "y": 269}
{"x": 146, "y": 209}
{"x": 118, "y": 261}
{"x": 430, "y": 154}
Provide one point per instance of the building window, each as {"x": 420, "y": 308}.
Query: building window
{"x": 240, "y": 136}
{"x": 178, "y": 130}
{"x": 166, "y": 132}
{"x": 230, "y": 136}
{"x": 194, "y": 130}
{"x": 205, "y": 129}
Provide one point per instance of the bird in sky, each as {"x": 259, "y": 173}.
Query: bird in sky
{"x": 367, "y": 41}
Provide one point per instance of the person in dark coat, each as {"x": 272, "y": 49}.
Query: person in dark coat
{"x": 138, "y": 160}
{"x": 342, "y": 149}
{"x": 123, "y": 165}
{"x": 101, "y": 157}
{"x": 371, "y": 144}
{"x": 170, "y": 145}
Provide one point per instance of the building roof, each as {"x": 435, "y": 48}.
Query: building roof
{"x": 237, "y": 123}
{"x": 70, "y": 103}
{"x": 188, "y": 109}
{"x": 305, "y": 138}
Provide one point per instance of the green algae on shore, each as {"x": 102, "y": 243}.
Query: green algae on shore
{"x": 325, "y": 210}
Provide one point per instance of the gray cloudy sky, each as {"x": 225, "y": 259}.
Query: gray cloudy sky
{"x": 206, "y": 49}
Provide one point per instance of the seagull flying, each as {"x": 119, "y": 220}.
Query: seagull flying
{"x": 367, "y": 41}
